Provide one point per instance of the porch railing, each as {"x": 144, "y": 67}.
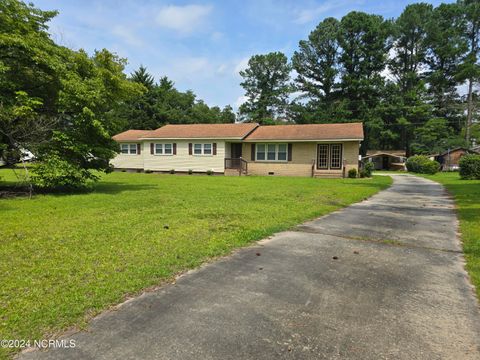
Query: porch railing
{"x": 237, "y": 163}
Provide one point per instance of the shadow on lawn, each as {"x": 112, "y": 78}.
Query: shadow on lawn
{"x": 113, "y": 188}
{"x": 119, "y": 187}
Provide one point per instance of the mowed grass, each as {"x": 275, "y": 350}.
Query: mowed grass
{"x": 64, "y": 258}
{"x": 467, "y": 199}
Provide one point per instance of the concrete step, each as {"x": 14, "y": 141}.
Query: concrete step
{"x": 232, "y": 172}
{"x": 328, "y": 174}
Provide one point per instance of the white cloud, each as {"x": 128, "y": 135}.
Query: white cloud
{"x": 127, "y": 35}
{"x": 183, "y": 19}
{"x": 305, "y": 16}
{"x": 241, "y": 65}
{"x": 240, "y": 100}
{"x": 221, "y": 69}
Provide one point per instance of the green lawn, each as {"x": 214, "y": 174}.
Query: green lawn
{"x": 467, "y": 199}
{"x": 64, "y": 258}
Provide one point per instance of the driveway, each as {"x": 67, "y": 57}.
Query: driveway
{"x": 382, "y": 279}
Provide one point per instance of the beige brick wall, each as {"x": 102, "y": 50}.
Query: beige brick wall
{"x": 351, "y": 149}
{"x": 303, "y": 155}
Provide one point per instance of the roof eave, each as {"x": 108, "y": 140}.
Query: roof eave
{"x": 193, "y": 138}
{"x": 302, "y": 140}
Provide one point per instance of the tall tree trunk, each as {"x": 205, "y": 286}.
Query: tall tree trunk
{"x": 469, "y": 112}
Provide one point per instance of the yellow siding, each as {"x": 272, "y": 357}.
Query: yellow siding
{"x": 122, "y": 161}
{"x": 183, "y": 161}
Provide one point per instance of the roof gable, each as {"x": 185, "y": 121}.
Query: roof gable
{"x": 131, "y": 135}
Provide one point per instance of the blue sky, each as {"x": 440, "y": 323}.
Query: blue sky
{"x": 200, "y": 45}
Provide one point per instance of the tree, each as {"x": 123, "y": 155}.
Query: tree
{"x": 142, "y": 76}
{"x": 446, "y": 48}
{"x": 469, "y": 70}
{"x": 365, "y": 45}
{"x": 435, "y": 137}
{"x": 267, "y": 87}
{"x": 407, "y": 94}
{"x": 316, "y": 61}
{"x": 164, "y": 104}
{"x": 55, "y": 101}
{"x": 410, "y": 45}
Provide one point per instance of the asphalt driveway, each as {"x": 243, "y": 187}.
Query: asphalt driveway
{"x": 382, "y": 279}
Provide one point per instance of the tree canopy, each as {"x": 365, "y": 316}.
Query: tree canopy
{"x": 403, "y": 77}
{"x": 64, "y": 105}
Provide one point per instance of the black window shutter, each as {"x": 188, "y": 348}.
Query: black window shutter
{"x": 189, "y": 148}
{"x": 139, "y": 146}
{"x": 214, "y": 148}
{"x": 252, "y": 157}
{"x": 289, "y": 152}
{"x": 151, "y": 148}
{"x": 174, "y": 148}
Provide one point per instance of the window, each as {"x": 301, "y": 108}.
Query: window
{"x": 163, "y": 149}
{"x": 128, "y": 149}
{"x": 282, "y": 152}
{"x": 336, "y": 156}
{"x": 271, "y": 152}
{"x": 203, "y": 149}
{"x": 329, "y": 156}
{"x": 197, "y": 149}
{"x": 323, "y": 156}
{"x": 260, "y": 152}
{"x": 207, "y": 149}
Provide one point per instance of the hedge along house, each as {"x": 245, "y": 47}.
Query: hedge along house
{"x": 320, "y": 150}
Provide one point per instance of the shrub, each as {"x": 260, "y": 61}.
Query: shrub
{"x": 190, "y": 171}
{"x": 172, "y": 171}
{"x": 368, "y": 168}
{"x": 56, "y": 173}
{"x": 209, "y": 172}
{"x": 148, "y": 171}
{"x": 352, "y": 173}
{"x": 422, "y": 164}
{"x": 470, "y": 167}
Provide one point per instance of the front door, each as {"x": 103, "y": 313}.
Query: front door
{"x": 236, "y": 150}
{"x": 385, "y": 163}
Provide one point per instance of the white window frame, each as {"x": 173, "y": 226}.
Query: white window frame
{"x": 162, "y": 153}
{"x": 129, "y": 148}
{"x": 202, "y": 149}
{"x": 277, "y": 145}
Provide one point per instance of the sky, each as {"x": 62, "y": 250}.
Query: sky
{"x": 200, "y": 45}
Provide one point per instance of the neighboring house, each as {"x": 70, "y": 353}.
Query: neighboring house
{"x": 449, "y": 160}
{"x": 323, "y": 150}
{"x": 386, "y": 159}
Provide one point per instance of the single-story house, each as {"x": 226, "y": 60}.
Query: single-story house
{"x": 386, "y": 159}
{"x": 449, "y": 160}
{"x": 319, "y": 150}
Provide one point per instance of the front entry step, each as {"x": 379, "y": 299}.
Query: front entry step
{"x": 232, "y": 172}
{"x": 328, "y": 174}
